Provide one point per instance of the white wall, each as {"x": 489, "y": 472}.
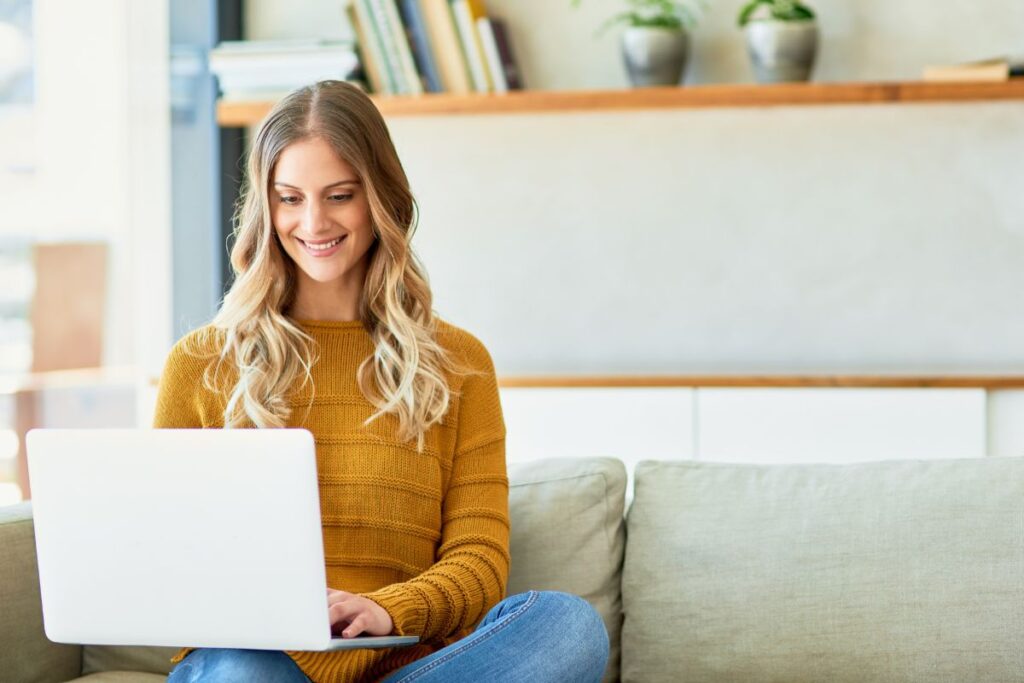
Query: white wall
{"x": 821, "y": 239}
{"x": 149, "y": 191}
{"x": 850, "y": 239}
{"x": 100, "y": 157}
{"x": 77, "y": 189}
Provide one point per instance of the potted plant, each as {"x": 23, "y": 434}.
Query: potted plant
{"x": 782, "y": 39}
{"x": 655, "y": 43}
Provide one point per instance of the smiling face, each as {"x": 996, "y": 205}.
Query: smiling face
{"x": 321, "y": 214}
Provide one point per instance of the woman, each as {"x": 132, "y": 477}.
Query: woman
{"x": 329, "y": 326}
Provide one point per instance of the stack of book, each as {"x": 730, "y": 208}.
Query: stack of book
{"x": 267, "y": 69}
{"x": 991, "y": 70}
{"x": 411, "y": 47}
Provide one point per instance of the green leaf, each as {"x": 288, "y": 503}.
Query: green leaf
{"x": 748, "y": 10}
{"x": 656, "y": 13}
{"x": 780, "y": 10}
{"x": 792, "y": 12}
{"x": 802, "y": 12}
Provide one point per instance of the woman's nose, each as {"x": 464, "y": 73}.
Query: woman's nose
{"x": 315, "y": 218}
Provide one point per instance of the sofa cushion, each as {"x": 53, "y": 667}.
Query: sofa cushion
{"x": 568, "y": 534}
{"x": 26, "y": 654}
{"x": 892, "y": 571}
{"x": 121, "y": 677}
{"x": 149, "y": 659}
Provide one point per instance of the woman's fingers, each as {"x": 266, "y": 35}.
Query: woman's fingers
{"x": 342, "y": 611}
{"x": 354, "y": 614}
{"x": 334, "y": 596}
{"x": 356, "y": 627}
{"x": 345, "y": 614}
{"x": 351, "y": 615}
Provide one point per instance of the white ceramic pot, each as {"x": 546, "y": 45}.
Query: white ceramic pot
{"x": 782, "y": 51}
{"x": 654, "y": 56}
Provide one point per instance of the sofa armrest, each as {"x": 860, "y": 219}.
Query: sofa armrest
{"x": 26, "y": 655}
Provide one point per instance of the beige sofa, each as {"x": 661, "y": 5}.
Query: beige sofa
{"x": 895, "y": 571}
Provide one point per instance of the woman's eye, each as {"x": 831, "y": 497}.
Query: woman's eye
{"x": 341, "y": 197}
{"x": 289, "y": 200}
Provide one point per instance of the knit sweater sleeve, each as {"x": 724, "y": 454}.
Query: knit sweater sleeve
{"x": 471, "y": 571}
{"x": 181, "y": 394}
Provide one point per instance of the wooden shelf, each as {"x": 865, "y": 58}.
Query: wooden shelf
{"x": 989, "y": 382}
{"x": 238, "y": 113}
{"x": 767, "y": 381}
{"x": 11, "y": 384}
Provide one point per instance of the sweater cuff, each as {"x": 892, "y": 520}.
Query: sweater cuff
{"x": 405, "y": 606}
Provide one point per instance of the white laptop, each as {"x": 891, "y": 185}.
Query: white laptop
{"x": 182, "y": 537}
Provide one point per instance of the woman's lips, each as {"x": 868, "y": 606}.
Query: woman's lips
{"x": 321, "y": 252}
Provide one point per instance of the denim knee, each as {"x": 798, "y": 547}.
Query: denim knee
{"x": 230, "y": 665}
{"x": 577, "y": 617}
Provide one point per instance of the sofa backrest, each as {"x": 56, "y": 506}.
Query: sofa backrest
{"x": 568, "y": 534}
{"x": 895, "y": 571}
{"x": 26, "y": 653}
{"x": 150, "y": 659}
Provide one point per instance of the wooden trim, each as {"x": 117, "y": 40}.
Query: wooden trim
{"x": 67, "y": 379}
{"x": 126, "y": 375}
{"x": 238, "y": 114}
{"x": 765, "y": 381}
{"x": 751, "y": 381}
{"x": 26, "y": 414}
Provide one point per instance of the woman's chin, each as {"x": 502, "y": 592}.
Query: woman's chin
{"x": 324, "y": 275}
{"x": 331, "y": 270}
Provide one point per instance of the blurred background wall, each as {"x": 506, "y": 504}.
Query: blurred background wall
{"x": 849, "y": 238}
{"x": 824, "y": 239}
{"x": 99, "y": 167}
{"x": 85, "y": 223}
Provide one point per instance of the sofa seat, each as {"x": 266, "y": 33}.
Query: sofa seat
{"x": 121, "y": 677}
{"x": 581, "y": 554}
{"x": 877, "y": 572}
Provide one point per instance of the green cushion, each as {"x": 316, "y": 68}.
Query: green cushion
{"x": 896, "y": 571}
{"x": 121, "y": 677}
{"x": 568, "y": 534}
{"x": 127, "y": 658}
{"x": 26, "y": 655}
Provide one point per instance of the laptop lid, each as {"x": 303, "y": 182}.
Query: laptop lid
{"x": 204, "y": 538}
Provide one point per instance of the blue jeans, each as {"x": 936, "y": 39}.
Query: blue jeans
{"x": 542, "y": 636}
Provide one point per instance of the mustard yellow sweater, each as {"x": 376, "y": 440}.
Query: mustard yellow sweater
{"x": 425, "y": 535}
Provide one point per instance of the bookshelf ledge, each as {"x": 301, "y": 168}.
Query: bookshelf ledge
{"x": 885, "y": 381}
{"x": 247, "y": 113}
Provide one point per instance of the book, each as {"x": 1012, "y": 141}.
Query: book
{"x": 490, "y": 45}
{"x": 391, "y": 46}
{"x": 466, "y": 13}
{"x": 396, "y": 28}
{"x": 991, "y": 70}
{"x": 513, "y": 75}
{"x": 419, "y": 41}
{"x": 447, "y": 47}
{"x": 498, "y": 49}
{"x": 368, "y": 52}
{"x": 261, "y": 69}
{"x": 375, "y": 39}
{"x": 248, "y": 48}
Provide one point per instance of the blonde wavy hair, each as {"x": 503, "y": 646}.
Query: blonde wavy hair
{"x": 405, "y": 375}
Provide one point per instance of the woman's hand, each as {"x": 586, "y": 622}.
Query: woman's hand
{"x": 352, "y": 614}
